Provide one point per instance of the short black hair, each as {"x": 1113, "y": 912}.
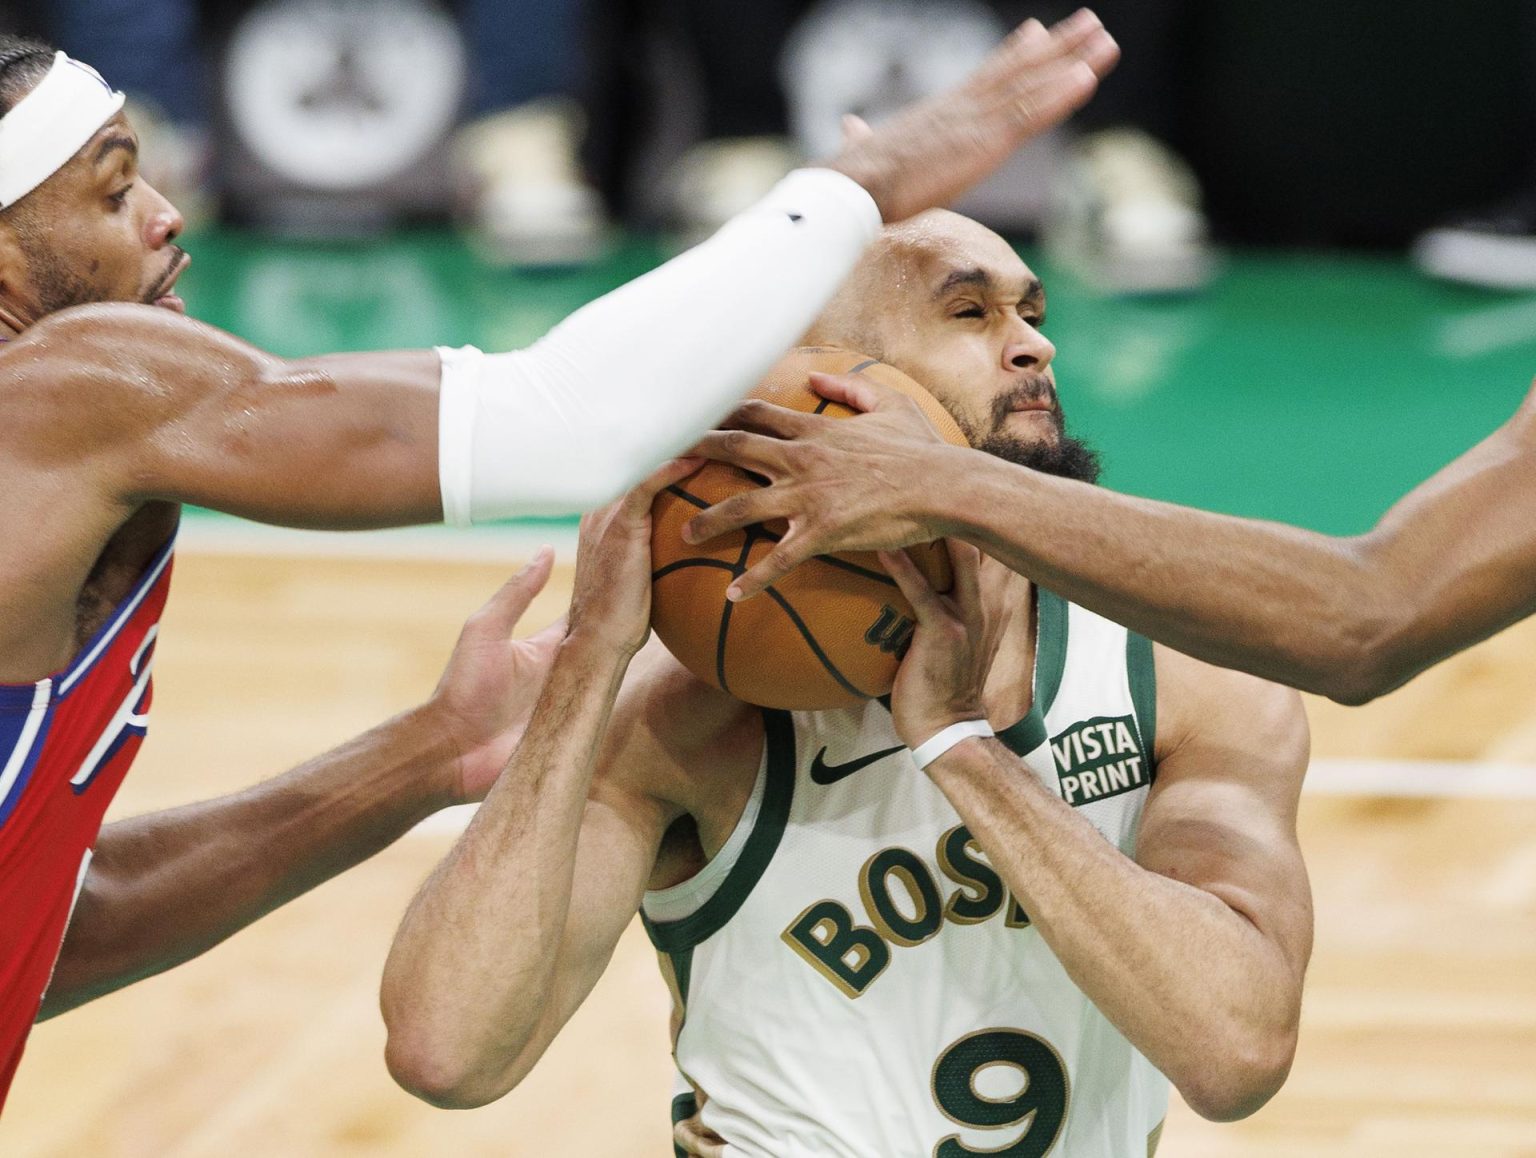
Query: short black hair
{"x": 23, "y": 63}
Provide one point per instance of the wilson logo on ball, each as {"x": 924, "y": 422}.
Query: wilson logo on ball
{"x": 891, "y": 632}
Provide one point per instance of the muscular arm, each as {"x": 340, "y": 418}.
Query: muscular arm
{"x": 1351, "y": 618}
{"x": 1195, "y": 950}
{"x": 166, "y": 887}
{"x": 141, "y": 404}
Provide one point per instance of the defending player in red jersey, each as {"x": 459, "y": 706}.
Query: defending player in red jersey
{"x": 66, "y": 742}
{"x": 113, "y": 414}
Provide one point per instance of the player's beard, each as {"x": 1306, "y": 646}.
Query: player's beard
{"x": 1059, "y": 453}
{"x": 58, "y": 286}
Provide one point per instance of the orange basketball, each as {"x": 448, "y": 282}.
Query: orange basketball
{"x": 831, "y": 633}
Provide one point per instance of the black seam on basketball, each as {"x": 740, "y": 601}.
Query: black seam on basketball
{"x": 855, "y": 569}
{"x": 822, "y": 405}
{"x": 810, "y": 641}
{"x": 725, "y": 614}
{"x": 688, "y": 498}
{"x": 725, "y": 626}
{"x": 865, "y": 365}
{"x": 683, "y": 564}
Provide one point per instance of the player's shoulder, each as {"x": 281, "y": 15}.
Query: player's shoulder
{"x": 1200, "y": 702}
{"x": 74, "y": 354}
{"x": 87, "y": 327}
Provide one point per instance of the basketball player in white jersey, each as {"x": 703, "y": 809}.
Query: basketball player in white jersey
{"x": 997, "y": 915}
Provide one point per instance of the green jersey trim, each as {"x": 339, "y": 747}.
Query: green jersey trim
{"x": 684, "y": 1106}
{"x": 1141, "y": 670}
{"x": 678, "y": 936}
{"x": 1029, "y": 733}
{"x": 1051, "y": 650}
{"x": 682, "y": 969}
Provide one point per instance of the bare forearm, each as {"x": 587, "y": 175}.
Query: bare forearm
{"x": 470, "y": 976}
{"x": 1350, "y": 618}
{"x": 1190, "y": 982}
{"x": 166, "y": 887}
{"x": 1262, "y": 597}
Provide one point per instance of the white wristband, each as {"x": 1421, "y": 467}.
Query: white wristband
{"x": 936, "y": 745}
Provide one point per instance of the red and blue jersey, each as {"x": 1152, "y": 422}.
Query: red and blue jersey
{"x": 66, "y": 743}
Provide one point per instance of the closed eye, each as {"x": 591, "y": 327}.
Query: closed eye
{"x": 120, "y": 198}
{"x": 971, "y": 312}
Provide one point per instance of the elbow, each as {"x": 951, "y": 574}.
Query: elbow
{"x": 1357, "y": 684}
{"x": 440, "y": 1075}
{"x": 1366, "y": 630}
{"x": 1242, "y": 1080}
{"x": 1371, "y": 660}
{"x": 439, "y": 1057}
{"x": 1362, "y": 667}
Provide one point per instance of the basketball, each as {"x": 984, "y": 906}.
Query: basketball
{"x": 831, "y": 633}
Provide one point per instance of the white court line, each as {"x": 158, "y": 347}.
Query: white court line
{"x": 1422, "y": 778}
{"x": 508, "y": 543}
{"x": 1445, "y": 779}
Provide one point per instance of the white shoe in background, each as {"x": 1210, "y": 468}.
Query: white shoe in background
{"x": 1493, "y": 247}
{"x": 715, "y": 180}
{"x": 525, "y": 200}
{"x": 1126, "y": 217}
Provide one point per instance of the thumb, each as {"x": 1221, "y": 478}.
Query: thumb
{"x": 501, "y": 613}
{"x": 640, "y": 498}
{"x": 856, "y": 130}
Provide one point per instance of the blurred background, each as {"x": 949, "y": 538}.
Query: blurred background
{"x": 1291, "y": 257}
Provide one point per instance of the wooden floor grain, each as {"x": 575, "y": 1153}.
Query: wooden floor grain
{"x": 1420, "y": 1021}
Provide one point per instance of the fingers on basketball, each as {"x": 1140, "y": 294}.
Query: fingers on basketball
{"x": 826, "y": 633}
{"x": 849, "y": 390}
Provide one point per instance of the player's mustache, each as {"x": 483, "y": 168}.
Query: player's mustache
{"x": 1034, "y": 390}
{"x": 155, "y": 291}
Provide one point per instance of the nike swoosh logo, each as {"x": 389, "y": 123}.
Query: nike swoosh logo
{"x": 824, "y": 773}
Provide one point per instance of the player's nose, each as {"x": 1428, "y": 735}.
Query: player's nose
{"x": 1026, "y": 348}
{"x": 164, "y": 222}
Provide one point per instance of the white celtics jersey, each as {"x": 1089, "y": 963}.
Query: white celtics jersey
{"x": 857, "y": 982}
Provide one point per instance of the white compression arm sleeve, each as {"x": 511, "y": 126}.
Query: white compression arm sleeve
{"x": 636, "y": 376}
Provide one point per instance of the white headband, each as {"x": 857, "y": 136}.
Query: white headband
{"x": 51, "y": 124}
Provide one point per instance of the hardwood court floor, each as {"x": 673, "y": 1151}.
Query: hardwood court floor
{"x": 1420, "y": 1032}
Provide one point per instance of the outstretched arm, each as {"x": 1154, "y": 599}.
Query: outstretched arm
{"x": 1196, "y": 949}
{"x": 1351, "y": 618}
{"x": 166, "y": 887}
{"x": 150, "y": 406}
